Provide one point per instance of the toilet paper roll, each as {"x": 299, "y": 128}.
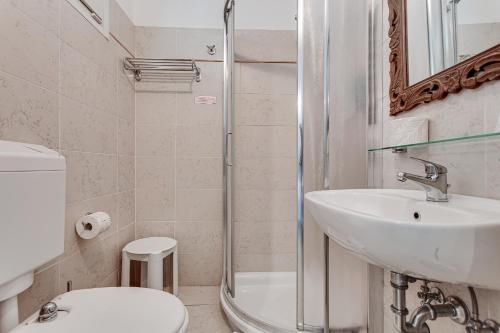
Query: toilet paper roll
{"x": 91, "y": 225}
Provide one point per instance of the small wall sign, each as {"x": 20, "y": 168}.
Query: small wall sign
{"x": 205, "y": 100}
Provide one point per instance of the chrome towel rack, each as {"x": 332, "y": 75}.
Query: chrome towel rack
{"x": 163, "y": 70}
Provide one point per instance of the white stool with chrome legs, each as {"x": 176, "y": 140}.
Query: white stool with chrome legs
{"x": 151, "y": 251}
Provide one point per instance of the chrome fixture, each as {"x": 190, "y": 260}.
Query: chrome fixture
{"x": 48, "y": 312}
{"x": 400, "y": 150}
{"x": 228, "y": 109}
{"x": 300, "y": 311}
{"x": 93, "y": 13}
{"x": 211, "y": 50}
{"x": 326, "y": 156}
{"x": 435, "y": 182}
{"x": 435, "y": 305}
{"x": 476, "y": 325}
{"x": 163, "y": 70}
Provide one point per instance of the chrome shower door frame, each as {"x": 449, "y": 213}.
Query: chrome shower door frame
{"x": 228, "y": 262}
{"x": 300, "y": 165}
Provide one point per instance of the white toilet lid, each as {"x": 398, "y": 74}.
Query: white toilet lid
{"x": 113, "y": 310}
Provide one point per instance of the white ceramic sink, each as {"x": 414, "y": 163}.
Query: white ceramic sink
{"x": 456, "y": 241}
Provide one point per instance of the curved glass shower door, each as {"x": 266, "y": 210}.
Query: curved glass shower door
{"x": 260, "y": 112}
{"x": 228, "y": 271}
{"x": 284, "y": 135}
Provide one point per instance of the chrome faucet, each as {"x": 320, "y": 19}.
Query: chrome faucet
{"x": 435, "y": 182}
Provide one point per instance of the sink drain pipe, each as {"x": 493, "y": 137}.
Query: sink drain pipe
{"x": 451, "y": 307}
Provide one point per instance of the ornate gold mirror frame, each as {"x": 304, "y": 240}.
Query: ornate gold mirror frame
{"x": 468, "y": 74}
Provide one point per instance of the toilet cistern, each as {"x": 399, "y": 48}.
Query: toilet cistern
{"x": 32, "y": 202}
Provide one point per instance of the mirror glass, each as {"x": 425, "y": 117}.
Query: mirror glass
{"x": 442, "y": 33}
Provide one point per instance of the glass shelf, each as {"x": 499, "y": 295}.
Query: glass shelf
{"x": 436, "y": 142}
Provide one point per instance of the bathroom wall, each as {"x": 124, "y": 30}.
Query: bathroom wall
{"x": 265, "y": 151}
{"x": 179, "y": 152}
{"x": 473, "y": 166}
{"x": 62, "y": 86}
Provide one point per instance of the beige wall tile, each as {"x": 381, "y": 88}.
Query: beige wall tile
{"x": 199, "y": 173}
{"x": 266, "y": 45}
{"x": 199, "y": 141}
{"x": 155, "y": 172}
{"x": 199, "y": 205}
{"x": 126, "y": 173}
{"x": 125, "y": 236}
{"x": 200, "y": 269}
{"x": 86, "y": 129}
{"x": 191, "y": 43}
{"x": 28, "y": 113}
{"x": 101, "y": 258}
{"x": 126, "y": 137}
{"x": 121, "y": 27}
{"x": 83, "y": 37}
{"x": 126, "y": 209}
{"x": 264, "y": 205}
{"x": 154, "y": 229}
{"x": 89, "y": 175}
{"x": 265, "y": 173}
{"x": 125, "y": 99}
{"x": 155, "y": 204}
{"x": 268, "y": 79}
{"x": 190, "y": 113}
{"x": 42, "y": 12}
{"x": 103, "y": 92}
{"x": 155, "y": 108}
{"x": 155, "y": 188}
{"x": 255, "y": 109}
{"x": 265, "y": 237}
{"x": 199, "y": 237}
{"x": 86, "y": 82}
{"x": 492, "y": 176}
{"x": 155, "y": 42}
{"x": 74, "y": 269}
{"x": 75, "y": 74}
{"x": 155, "y": 140}
{"x": 461, "y": 161}
{"x": 45, "y": 287}
{"x": 490, "y": 94}
{"x": 264, "y": 141}
{"x": 29, "y": 50}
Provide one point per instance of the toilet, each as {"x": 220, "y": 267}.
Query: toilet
{"x": 34, "y": 176}
{"x": 112, "y": 310}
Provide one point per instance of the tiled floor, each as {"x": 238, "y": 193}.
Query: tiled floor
{"x": 205, "y": 312}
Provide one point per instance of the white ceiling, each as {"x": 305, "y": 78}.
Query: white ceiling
{"x": 250, "y": 14}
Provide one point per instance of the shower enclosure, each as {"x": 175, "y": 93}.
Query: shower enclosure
{"x": 259, "y": 178}
{"x": 294, "y": 124}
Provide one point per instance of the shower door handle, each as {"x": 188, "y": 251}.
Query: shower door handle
{"x": 229, "y": 149}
